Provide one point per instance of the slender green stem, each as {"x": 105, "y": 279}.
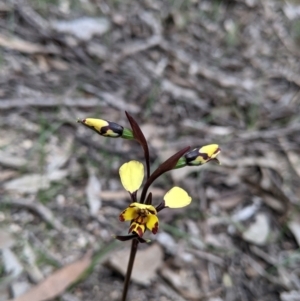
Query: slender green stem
{"x": 134, "y": 246}
{"x": 127, "y": 134}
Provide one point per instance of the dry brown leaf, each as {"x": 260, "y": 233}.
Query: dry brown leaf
{"x": 274, "y": 203}
{"x": 58, "y": 64}
{"x": 30, "y": 183}
{"x": 56, "y": 283}
{"x": 183, "y": 281}
{"x": 20, "y": 45}
{"x": 229, "y": 202}
{"x": 295, "y": 161}
{"x": 7, "y": 175}
{"x": 146, "y": 263}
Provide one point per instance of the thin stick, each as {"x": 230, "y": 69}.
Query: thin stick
{"x": 134, "y": 246}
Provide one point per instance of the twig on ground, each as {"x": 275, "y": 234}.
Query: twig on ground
{"x": 112, "y": 100}
{"x": 45, "y": 213}
{"x": 49, "y": 101}
{"x": 36, "y": 242}
{"x": 32, "y": 17}
{"x": 266, "y": 134}
{"x": 217, "y": 76}
{"x": 279, "y": 28}
{"x": 154, "y": 40}
{"x": 261, "y": 271}
{"x": 136, "y": 47}
{"x": 53, "y": 101}
{"x": 208, "y": 256}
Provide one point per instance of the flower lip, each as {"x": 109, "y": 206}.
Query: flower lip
{"x": 137, "y": 228}
{"x": 142, "y": 216}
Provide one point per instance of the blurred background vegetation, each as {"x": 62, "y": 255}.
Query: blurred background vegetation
{"x": 191, "y": 72}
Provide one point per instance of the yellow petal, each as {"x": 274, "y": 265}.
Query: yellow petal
{"x": 177, "y": 198}
{"x": 129, "y": 213}
{"x": 152, "y": 223}
{"x": 132, "y": 175}
{"x": 212, "y": 150}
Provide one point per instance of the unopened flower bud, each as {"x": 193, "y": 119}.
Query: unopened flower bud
{"x": 106, "y": 128}
{"x": 199, "y": 156}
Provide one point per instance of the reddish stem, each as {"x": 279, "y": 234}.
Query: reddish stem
{"x": 134, "y": 246}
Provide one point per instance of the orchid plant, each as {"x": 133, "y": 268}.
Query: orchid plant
{"x": 141, "y": 214}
